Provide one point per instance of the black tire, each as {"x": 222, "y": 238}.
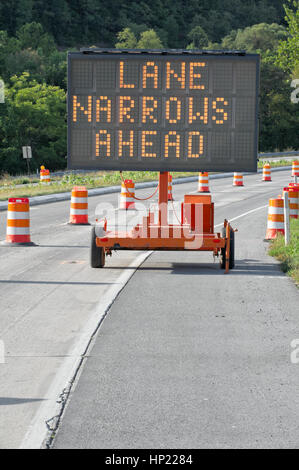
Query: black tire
{"x": 232, "y": 250}
{"x": 97, "y": 254}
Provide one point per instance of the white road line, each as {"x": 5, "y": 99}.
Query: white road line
{"x": 243, "y": 215}
{"x": 52, "y": 406}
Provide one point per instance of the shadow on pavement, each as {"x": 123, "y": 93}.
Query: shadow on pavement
{"x": 18, "y": 401}
{"x": 62, "y": 283}
{"x": 63, "y": 246}
{"x": 45, "y": 246}
{"x": 242, "y": 267}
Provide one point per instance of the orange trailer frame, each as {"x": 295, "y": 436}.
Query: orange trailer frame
{"x": 164, "y": 236}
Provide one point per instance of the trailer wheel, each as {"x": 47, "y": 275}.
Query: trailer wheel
{"x": 232, "y": 250}
{"x": 97, "y": 254}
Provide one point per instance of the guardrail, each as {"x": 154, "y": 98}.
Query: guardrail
{"x": 291, "y": 153}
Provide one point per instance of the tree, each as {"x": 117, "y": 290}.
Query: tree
{"x": 15, "y": 13}
{"x": 126, "y": 39}
{"x": 149, "y": 40}
{"x": 55, "y": 69}
{"x": 198, "y": 38}
{"x": 34, "y": 52}
{"x": 33, "y": 114}
{"x": 22, "y": 61}
{"x": 279, "y": 117}
{"x": 32, "y": 36}
{"x": 7, "y": 46}
{"x": 288, "y": 50}
{"x": 82, "y": 22}
{"x": 259, "y": 37}
{"x": 170, "y": 32}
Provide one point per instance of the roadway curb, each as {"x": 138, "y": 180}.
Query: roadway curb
{"x": 38, "y": 200}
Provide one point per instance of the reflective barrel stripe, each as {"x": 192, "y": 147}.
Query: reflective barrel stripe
{"x": 78, "y": 200}
{"x": 13, "y": 215}
{"x": 18, "y": 230}
{"x": 275, "y": 225}
{"x": 78, "y": 212}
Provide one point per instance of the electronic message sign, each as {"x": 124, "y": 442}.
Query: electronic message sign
{"x": 164, "y": 111}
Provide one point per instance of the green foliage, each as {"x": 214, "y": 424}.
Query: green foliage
{"x": 32, "y": 35}
{"x": 288, "y": 255}
{"x": 33, "y": 114}
{"x": 288, "y": 50}
{"x": 149, "y": 40}
{"x": 32, "y": 51}
{"x": 198, "y": 37}
{"x": 83, "y": 22}
{"x": 259, "y": 37}
{"x": 279, "y": 117}
{"x": 126, "y": 39}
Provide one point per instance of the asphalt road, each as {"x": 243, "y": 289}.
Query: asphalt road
{"x": 186, "y": 356}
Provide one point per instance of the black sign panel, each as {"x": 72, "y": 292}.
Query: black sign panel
{"x": 164, "y": 112}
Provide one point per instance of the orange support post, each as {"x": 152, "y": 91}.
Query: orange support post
{"x": 163, "y": 197}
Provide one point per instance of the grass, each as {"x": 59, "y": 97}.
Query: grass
{"x": 9, "y": 188}
{"x": 275, "y": 163}
{"x": 288, "y": 255}
{"x": 24, "y": 186}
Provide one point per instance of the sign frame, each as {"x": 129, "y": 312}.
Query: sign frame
{"x": 106, "y": 54}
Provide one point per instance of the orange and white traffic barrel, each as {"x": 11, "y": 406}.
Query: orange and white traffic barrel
{"x": 79, "y": 206}
{"x": 267, "y": 172}
{"x": 127, "y": 201}
{"x": 203, "y": 183}
{"x": 170, "y": 197}
{"x": 293, "y": 201}
{"x": 18, "y": 222}
{"x": 275, "y": 218}
{"x": 238, "y": 179}
{"x": 44, "y": 175}
{"x": 295, "y": 168}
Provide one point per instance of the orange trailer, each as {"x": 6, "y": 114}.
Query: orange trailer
{"x": 194, "y": 233}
